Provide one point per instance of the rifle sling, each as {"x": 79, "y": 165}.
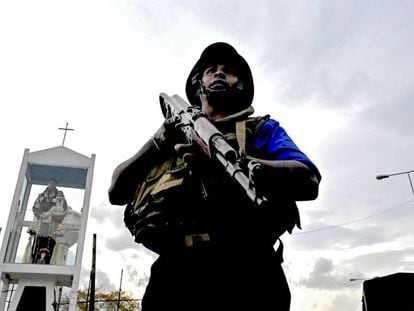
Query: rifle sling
{"x": 241, "y": 137}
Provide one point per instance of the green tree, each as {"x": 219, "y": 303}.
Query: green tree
{"x": 108, "y": 301}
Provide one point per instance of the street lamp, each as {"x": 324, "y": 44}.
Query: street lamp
{"x": 380, "y": 177}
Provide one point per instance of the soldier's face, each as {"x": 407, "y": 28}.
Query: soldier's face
{"x": 219, "y": 76}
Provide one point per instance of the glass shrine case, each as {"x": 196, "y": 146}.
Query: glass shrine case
{"x": 48, "y": 236}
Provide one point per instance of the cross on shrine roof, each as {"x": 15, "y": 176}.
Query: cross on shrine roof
{"x": 65, "y": 129}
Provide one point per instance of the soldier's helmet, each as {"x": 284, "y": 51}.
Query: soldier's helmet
{"x": 224, "y": 54}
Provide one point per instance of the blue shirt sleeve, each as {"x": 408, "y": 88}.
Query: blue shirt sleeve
{"x": 271, "y": 142}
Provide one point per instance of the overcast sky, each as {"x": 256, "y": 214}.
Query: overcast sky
{"x": 338, "y": 75}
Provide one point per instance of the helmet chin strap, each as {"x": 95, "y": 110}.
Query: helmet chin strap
{"x": 223, "y": 89}
{"x": 239, "y": 85}
{"x": 229, "y": 98}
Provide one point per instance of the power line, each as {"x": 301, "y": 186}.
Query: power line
{"x": 353, "y": 221}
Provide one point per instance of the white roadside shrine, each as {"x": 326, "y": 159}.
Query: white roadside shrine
{"x": 30, "y": 283}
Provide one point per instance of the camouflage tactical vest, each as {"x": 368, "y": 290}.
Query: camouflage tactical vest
{"x": 156, "y": 214}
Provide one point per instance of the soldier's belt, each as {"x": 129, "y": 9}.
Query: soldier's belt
{"x": 196, "y": 239}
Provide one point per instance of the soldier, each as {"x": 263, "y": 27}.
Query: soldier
{"x": 217, "y": 250}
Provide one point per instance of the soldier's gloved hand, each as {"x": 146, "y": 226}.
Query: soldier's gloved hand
{"x": 167, "y": 135}
{"x": 193, "y": 155}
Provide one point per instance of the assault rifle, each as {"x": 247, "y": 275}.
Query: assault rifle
{"x": 198, "y": 128}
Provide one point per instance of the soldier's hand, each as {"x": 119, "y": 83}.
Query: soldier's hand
{"x": 167, "y": 135}
{"x": 193, "y": 154}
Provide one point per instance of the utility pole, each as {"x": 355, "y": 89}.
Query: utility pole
{"x": 92, "y": 277}
{"x": 87, "y": 295}
{"x": 119, "y": 293}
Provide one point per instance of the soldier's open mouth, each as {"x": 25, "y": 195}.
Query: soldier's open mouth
{"x": 219, "y": 85}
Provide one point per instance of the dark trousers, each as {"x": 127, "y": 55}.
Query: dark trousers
{"x": 43, "y": 249}
{"x": 201, "y": 280}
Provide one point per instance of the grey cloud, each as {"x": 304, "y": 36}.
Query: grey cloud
{"x": 325, "y": 275}
{"x": 384, "y": 262}
{"x": 102, "y": 280}
{"x": 143, "y": 252}
{"x": 393, "y": 113}
{"x": 336, "y": 238}
{"x": 346, "y": 302}
{"x": 137, "y": 277}
{"x": 98, "y": 212}
{"x": 389, "y": 226}
{"x": 120, "y": 242}
{"x": 351, "y": 192}
{"x": 329, "y": 275}
{"x": 339, "y": 54}
{"x": 335, "y": 52}
{"x": 112, "y": 213}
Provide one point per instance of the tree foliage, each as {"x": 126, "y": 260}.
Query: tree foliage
{"x": 108, "y": 301}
